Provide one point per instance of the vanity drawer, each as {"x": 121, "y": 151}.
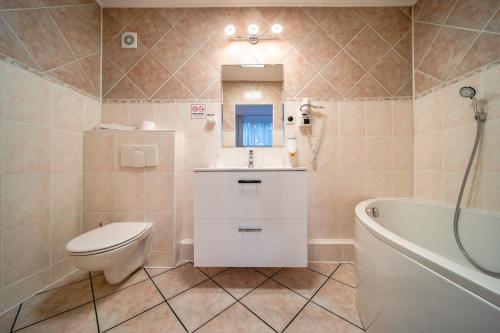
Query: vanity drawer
{"x": 250, "y": 195}
{"x": 250, "y": 243}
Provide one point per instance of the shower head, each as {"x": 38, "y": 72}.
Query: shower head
{"x": 467, "y": 92}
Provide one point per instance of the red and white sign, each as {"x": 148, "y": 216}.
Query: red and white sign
{"x": 198, "y": 111}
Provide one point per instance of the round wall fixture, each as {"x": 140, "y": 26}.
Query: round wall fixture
{"x": 129, "y": 40}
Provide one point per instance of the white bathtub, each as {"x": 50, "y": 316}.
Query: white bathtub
{"x": 412, "y": 275}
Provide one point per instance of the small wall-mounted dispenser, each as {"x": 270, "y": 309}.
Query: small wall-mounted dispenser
{"x": 138, "y": 156}
{"x": 291, "y": 146}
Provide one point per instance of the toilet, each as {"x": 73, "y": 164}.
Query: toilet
{"x": 117, "y": 249}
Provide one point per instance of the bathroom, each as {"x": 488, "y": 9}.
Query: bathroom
{"x": 254, "y": 166}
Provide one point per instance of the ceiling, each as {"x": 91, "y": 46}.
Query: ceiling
{"x": 253, "y": 3}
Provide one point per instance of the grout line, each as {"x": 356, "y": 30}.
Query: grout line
{"x": 468, "y": 49}
{"x": 64, "y": 285}
{"x": 134, "y": 316}
{"x": 168, "y": 270}
{"x": 166, "y": 302}
{"x": 117, "y": 291}
{"x": 52, "y": 316}
{"x": 44, "y": 7}
{"x": 70, "y": 50}
{"x": 93, "y": 301}
{"x": 28, "y": 52}
{"x": 238, "y": 300}
{"x": 15, "y": 319}
{"x": 309, "y": 300}
{"x": 350, "y": 322}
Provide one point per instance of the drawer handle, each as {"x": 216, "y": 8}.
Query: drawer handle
{"x": 249, "y": 181}
{"x": 249, "y": 229}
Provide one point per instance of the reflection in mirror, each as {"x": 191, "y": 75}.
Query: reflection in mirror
{"x": 252, "y": 105}
{"x": 254, "y": 125}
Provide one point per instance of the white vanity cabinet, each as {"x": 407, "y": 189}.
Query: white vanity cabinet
{"x": 250, "y": 217}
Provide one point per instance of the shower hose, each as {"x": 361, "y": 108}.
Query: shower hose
{"x": 459, "y": 201}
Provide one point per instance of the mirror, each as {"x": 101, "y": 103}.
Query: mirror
{"x": 252, "y": 106}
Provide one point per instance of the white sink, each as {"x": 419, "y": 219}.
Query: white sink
{"x": 229, "y": 169}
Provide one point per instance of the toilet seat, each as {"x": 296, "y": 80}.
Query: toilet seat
{"x": 106, "y": 238}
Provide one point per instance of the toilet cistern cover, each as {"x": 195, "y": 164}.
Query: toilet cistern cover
{"x": 108, "y": 236}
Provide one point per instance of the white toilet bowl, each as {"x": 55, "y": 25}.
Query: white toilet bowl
{"x": 117, "y": 249}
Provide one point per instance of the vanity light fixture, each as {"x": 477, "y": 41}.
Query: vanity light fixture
{"x": 253, "y": 33}
{"x": 252, "y": 65}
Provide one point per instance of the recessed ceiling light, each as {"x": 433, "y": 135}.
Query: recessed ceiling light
{"x": 277, "y": 28}
{"x": 253, "y": 29}
{"x": 230, "y": 30}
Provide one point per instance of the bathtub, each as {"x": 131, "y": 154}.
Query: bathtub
{"x": 412, "y": 275}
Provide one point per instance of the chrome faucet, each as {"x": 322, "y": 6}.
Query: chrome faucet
{"x": 250, "y": 159}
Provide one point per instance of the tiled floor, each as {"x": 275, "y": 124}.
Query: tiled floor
{"x": 320, "y": 298}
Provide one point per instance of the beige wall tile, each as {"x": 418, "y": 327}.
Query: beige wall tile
{"x": 99, "y": 153}
{"x": 378, "y": 118}
{"x": 489, "y": 151}
{"x": 163, "y": 237}
{"x": 97, "y": 193}
{"x": 428, "y": 152}
{"x": 128, "y": 192}
{"x": 403, "y": 184}
{"x": 379, "y": 153}
{"x": 323, "y": 222}
{"x": 61, "y": 232}
{"x": 351, "y": 119}
{"x": 26, "y": 250}
{"x": 26, "y": 148}
{"x": 92, "y": 114}
{"x": 68, "y": 110}
{"x": 65, "y": 194}
{"x": 158, "y": 195}
{"x": 403, "y": 153}
{"x": 402, "y": 118}
{"x": 428, "y": 185}
{"x": 490, "y": 93}
{"x": 352, "y": 153}
{"x": 25, "y": 200}
{"x": 27, "y": 97}
{"x": 22, "y": 289}
{"x": 66, "y": 152}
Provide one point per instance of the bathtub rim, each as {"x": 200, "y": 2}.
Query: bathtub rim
{"x": 465, "y": 277}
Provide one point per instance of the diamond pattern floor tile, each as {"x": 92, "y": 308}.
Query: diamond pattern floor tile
{"x": 53, "y": 302}
{"x": 323, "y": 268}
{"x": 301, "y": 280}
{"x": 178, "y": 280}
{"x": 275, "y": 304}
{"x": 340, "y": 299}
{"x": 159, "y": 319}
{"x": 103, "y": 288}
{"x": 346, "y": 273}
{"x": 7, "y": 319}
{"x": 81, "y": 320}
{"x": 124, "y": 304}
{"x": 198, "y": 299}
{"x": 156, "y": 271}
{"x": 239, "y": 281}
{"x": 235, "y": 319}
{"x": 200, "y": 304}
{"x": 268, "y": 271}
{"x": 315, "y": 319}
{"x": 211, "y": 271}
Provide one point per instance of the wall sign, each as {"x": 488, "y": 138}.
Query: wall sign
{"x": 198, "y": 111}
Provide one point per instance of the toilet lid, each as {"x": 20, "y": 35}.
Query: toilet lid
{"x": 108, "y": 236}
